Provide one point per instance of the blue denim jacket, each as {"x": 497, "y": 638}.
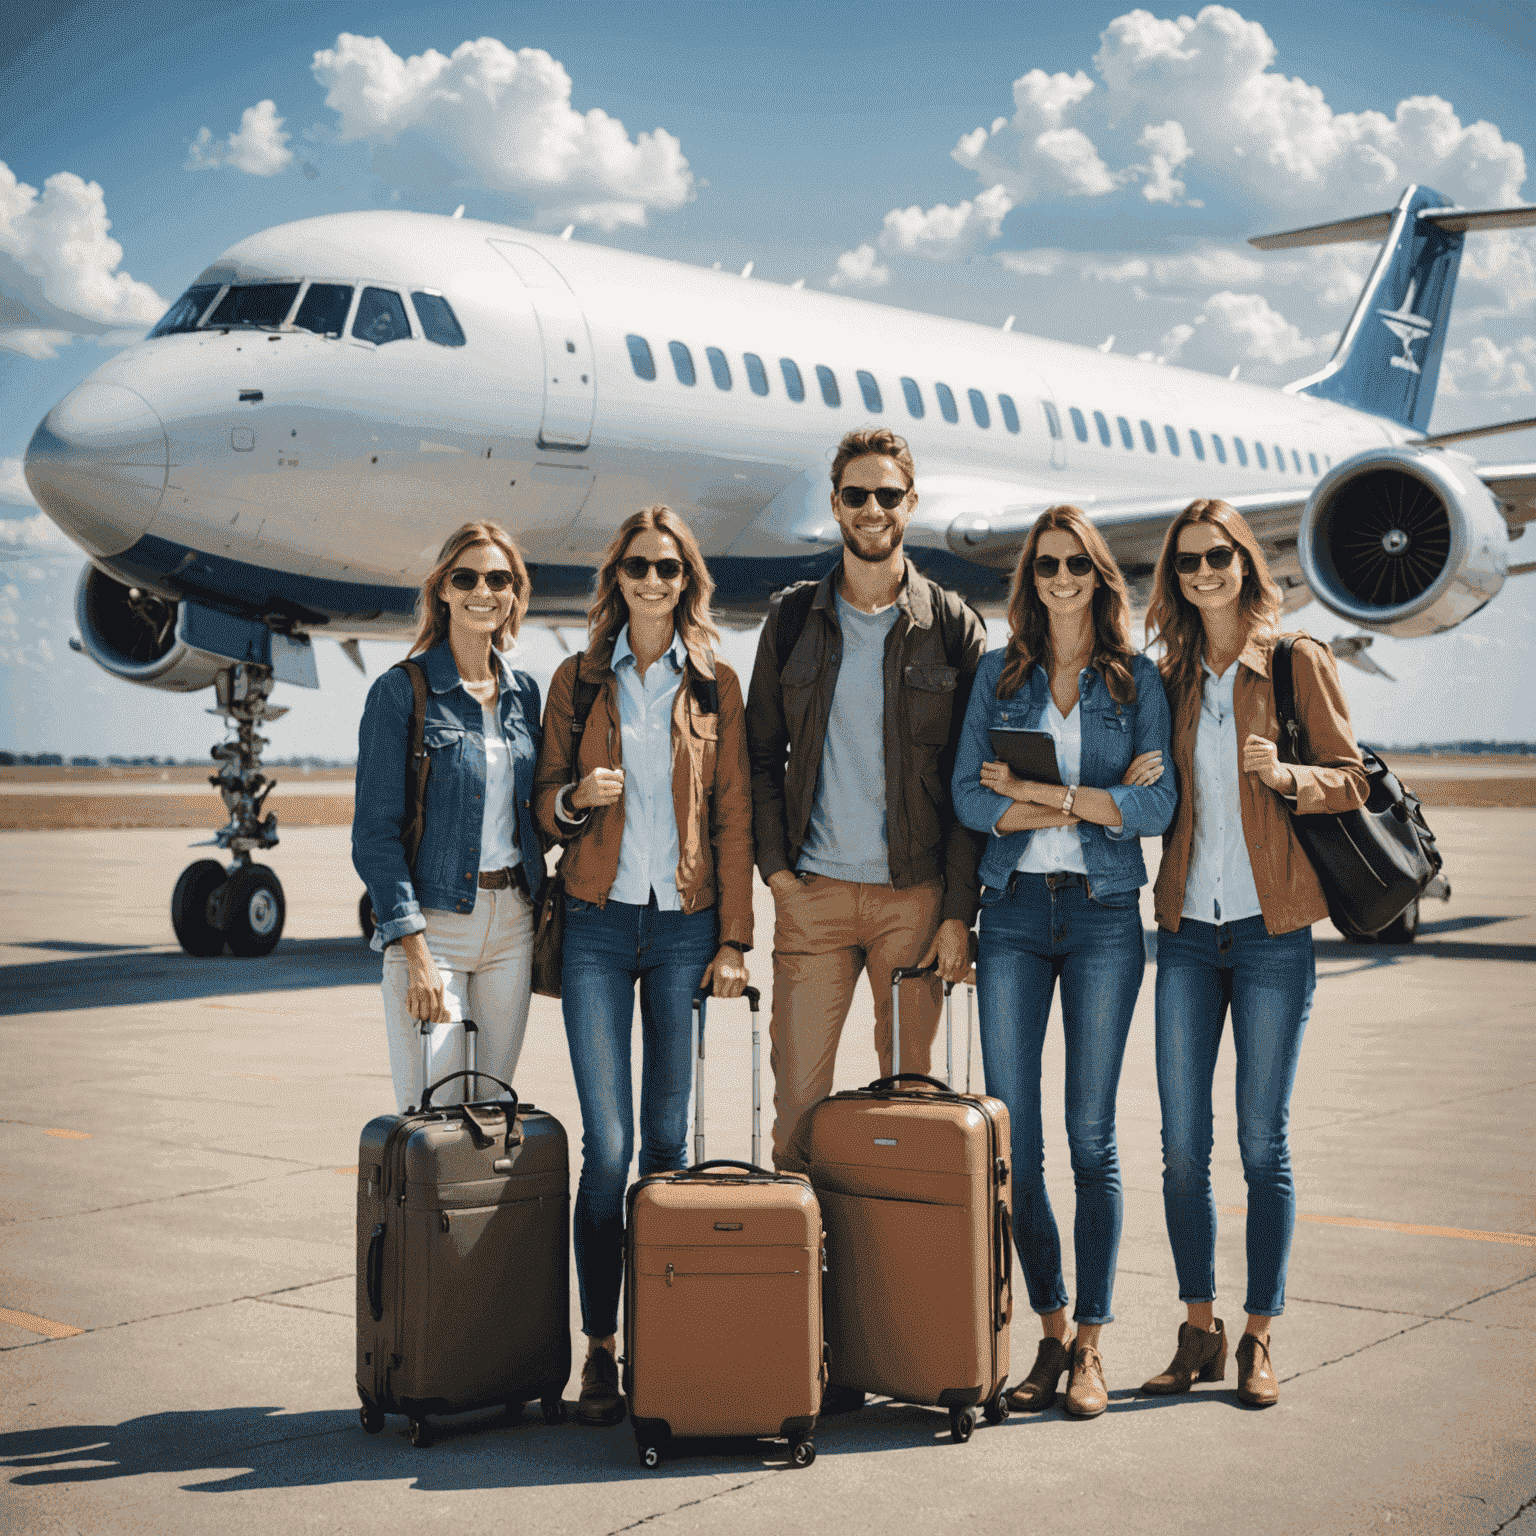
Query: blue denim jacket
{"x": 445, "y": 875}
{"x": 1112, "y": 735}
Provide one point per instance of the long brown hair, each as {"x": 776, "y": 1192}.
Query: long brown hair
{"x": 1029, "y": 632}
{"x": 608, "y": 613}
{"x": 432, "y": 611}
{"x": 1175, "y": 622}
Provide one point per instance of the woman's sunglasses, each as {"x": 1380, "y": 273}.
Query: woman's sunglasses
{"x": 465, "y": 580}
{"x": 1218, "y": 559}
{"x": 635, "y": 567}
{"x": 1048, "y": 565}
{"x": 854, "y": 496}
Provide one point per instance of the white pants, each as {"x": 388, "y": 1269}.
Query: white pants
{"x": 486, "y": 959}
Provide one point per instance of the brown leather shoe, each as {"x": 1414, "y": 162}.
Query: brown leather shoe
{"x": 601, "y": 1403}
{"x": 1038, "y": 1389}
{"x": 1087, "y": 1396}
{"x": 1201, "y": 1356}
{"x": 1256, "y": 1384}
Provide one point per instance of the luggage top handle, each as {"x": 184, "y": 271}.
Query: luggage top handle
{"x": 480, "y": 1123}
{"x": 754, "y": 999}
{"x": 880, "y": 1084}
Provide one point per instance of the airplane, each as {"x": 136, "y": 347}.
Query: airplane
{"x": 281, "y": 457}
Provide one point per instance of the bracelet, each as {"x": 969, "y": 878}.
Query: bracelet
{"x": 1066, "y": 804}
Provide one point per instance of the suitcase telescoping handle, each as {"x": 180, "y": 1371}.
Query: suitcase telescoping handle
{"x": 471, "y": 1045}
{"x": 911, "y": 973}
{"x": 754, "y": 1000}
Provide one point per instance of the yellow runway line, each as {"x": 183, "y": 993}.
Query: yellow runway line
{"x": 45, "y": 1326}
{"x": 68, "y": 1135}
{"x": 1514, "y": 1239}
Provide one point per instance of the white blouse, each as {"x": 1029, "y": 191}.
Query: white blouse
{"x": 1052, "y": 850}
{"x": 1219, "y": 887}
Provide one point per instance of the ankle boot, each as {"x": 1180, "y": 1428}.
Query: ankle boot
{"x": 1087, "y": 1396}
{"x": 1038, "y": 1389}
{"x": 1256, "y": 1384}
{"x": 1201, "y": 1356}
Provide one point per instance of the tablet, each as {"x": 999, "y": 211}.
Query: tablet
{"x": 1031, "y": 754}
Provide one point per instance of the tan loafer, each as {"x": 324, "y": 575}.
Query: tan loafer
{"x": 1201, "y": 1356}
{"x": 601, "y": 1403}
{"x": 1256, "y": 1384}
{"x": 1038, "y": 1389}
{"x": 1087, "y": 1396}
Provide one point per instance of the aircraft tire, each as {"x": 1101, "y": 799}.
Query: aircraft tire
{"x": 189, "y": 908}
{"x": 1404, "y": 930}
{"x": 256, "y": 912}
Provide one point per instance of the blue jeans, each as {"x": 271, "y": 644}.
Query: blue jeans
{"x": 1267, "y": 980}
{"x": 1033, "y": 932}
{"x": 607, "y": 949}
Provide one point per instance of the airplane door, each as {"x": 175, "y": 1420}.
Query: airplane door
{"x": 570, "y": 391}
{"x": 1043, "y": 416}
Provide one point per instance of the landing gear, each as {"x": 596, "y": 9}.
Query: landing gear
{"x": 242, "y": 906}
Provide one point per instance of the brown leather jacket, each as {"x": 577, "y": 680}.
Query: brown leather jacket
{"x": 711, "y": 790}
{"x": 925, "y": 698}
{"x": 1333, "y": 779}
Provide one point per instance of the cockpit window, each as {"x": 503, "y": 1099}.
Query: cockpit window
{"x": 184, "y": 314}
{"x": 324, "y": 310}
{"x": 438, "y": 321}
{"x": 261, "y": 305}
{"x": 381, "y": 317}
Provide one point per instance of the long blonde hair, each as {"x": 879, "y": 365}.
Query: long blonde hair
{"x": 1029, "y": 633}
{"x": 432, "y": 611}
{"x": 1175, "y": 622}
{"x": 608, "y": 613}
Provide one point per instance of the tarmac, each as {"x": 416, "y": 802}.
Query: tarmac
{"x": 178, "y": 1140}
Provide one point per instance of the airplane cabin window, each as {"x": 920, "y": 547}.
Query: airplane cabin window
{"x": 1173, "y": 440}
{"x": 870, "y": 390}
{"x": 1242, "y": 453}
{"x": 914, "y": 398}
{"x": 640, "y": 357}
{"x": 979, "y": 407}
{"x": 946, "y": 403}
{"x": 1312, "y": 460}
{"x": 438, "y": 321}
{"x": 1258, "y": 452}
{"x": 682, "y": 363}
{"x": 184, "y": 314}
{"x": 1327, "y": 462}
{"x": 718, "y": 367}
{"x": 828, "y": 381}
{"x": 1197, "y": 444}
{"x": 1052, "y": 420}
{"x": 1280, "y": 458}
{"x": 381, "y": 317}
{"x": 263, "y": 305}
{"x": 1103, "y": 428}
{"x": 1125, "y": 432}
{"x": 324, "y": 310}
{"x": 1010, "y": 414}
{"x": 1296, "y": 460}
{"x": 1149, "y": 437}
{"x": 1079, "y": 424}
{"x": 794, "y": 385}
{"x": 757, "y": 375}
{"x": 1220, "y": 447}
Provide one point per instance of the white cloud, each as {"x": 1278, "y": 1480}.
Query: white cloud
{"x": 860, "y": 268}
{"x": 14, "y": 490}
{"x": 1039, "y": 263}
{"x": 1169, "y": 150}
{"x": 258, "y": 146}
{"x": 37, "y": 534}
{"x": 58, "y": 267}
{"x": 1244, "y": 325}
{"x": 1033, "y": 154}
{"x": 488, "y": 116}
{"x": 944, "y": 233}
{"x": 1498, "y": 276}
{"x": 1482, "y": 367}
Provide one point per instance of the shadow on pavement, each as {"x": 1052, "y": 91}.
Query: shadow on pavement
{"x": 1427, "y": 946}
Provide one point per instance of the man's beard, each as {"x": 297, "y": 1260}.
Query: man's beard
{"x": 894, "y": 534}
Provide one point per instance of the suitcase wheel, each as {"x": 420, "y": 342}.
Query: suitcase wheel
{"x": 419, "y": 1433}
{"x": 554, "y": 1409}
{"x": 650, "y": 1455}
{"x": 997, "y": 1408}
{"x": 802, "y": 1453}
{"x": 371, "y": 1418}
{"x": 961, "y": 1422}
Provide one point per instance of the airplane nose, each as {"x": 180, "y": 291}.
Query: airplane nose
{"x": 97, "y": 465}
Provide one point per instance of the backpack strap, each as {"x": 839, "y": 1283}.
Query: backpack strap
{"x": 705, "y": 690}
{"x": 1283, "y": 686}
{"x": 790, "y": 610}
{"x": 583, "y": 697}
{"x": 418, "y": 762}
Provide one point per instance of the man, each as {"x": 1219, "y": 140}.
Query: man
{"x": 861, "y": 682}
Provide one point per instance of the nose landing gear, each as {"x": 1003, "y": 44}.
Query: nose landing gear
{"x": 241, "y": 906}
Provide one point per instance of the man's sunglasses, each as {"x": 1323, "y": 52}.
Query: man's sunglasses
{"x": 1047, "y": 565}
{"x": 1218, "y": 559}
{"x": 465, "y": 580}
{"x": 854, "y": 496}
{"x": 635, "y": 567}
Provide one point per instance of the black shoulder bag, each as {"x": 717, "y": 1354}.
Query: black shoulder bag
{"x": 1373, "y": 863}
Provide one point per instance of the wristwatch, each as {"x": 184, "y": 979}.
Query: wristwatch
{"x": 1066, "y": 804}
{"x": 735, "y": 944}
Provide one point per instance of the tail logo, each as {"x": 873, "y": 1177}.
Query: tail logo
{"x": 1407, "y": 327}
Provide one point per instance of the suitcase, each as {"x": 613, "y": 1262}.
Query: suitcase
{"x": 915, "y": 1193}
{"x": 463, "y": 1275}
{"x": 722, "y": 1295}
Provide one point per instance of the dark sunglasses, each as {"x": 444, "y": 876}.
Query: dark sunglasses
{"x": 854, "y": 496}
{"x": 1218, "y": 559}
{"x": 1047, "y": 565}
{"x": 635, "y": 567}
{"x": 465, "y": 580}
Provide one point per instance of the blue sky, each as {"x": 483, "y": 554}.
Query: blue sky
{"x": 1090, "y": 170}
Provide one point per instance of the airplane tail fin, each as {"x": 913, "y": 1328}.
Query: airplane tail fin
{"x": 1388, "y": 358}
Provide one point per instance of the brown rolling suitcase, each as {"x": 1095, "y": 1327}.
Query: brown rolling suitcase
{"x": 915, "y": 1193}
{"x": 463, "y": 1274}
{"x": 722, "y": 1296}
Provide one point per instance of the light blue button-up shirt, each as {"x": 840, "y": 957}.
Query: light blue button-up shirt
{"x": 648, "y": 853}
{"x": 1220, "y": 887}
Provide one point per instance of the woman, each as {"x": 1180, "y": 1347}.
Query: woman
{"x": 1235, "y": 900}
{"x": 656, "y": 815}
{"x": 456, "y": 923}
{"x": 1060, "y": 878}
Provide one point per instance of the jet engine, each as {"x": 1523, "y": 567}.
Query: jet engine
{"x": 131, "y": 632}
{"x": 1406, "y": 541}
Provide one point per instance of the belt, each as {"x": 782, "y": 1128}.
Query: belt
{"x": 500, "y": 879}
{"x": 1064, "y": 877}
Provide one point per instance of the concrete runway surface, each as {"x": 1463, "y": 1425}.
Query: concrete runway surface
{"x": 178, "y": 1139}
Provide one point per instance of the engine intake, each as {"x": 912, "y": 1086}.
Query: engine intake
{"x": 132, "y": 633}
{"x": 1406, "y": 541}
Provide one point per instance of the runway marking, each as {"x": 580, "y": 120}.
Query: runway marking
{"x": 346, "y": 1170}
{"x": 68, "y": 1135}
{"x": 1412, "y": 1229}
{"x": 43, "y": 1325}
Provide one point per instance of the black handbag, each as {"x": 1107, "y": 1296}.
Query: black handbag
{"x": 1373, "y": 863}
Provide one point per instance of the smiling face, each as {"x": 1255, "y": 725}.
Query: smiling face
{"x": 1063, "y": 594}
{"x": 480, "y": 613}
{"x": 650, "y": 595}
{"x": 871, "y": 532}
{"x": 1208, "y": 590}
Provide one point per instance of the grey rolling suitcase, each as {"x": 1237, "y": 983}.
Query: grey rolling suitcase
{"x": 463, "y": 1274}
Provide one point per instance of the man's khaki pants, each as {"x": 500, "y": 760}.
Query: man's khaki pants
{"x": 826, "y": 931}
